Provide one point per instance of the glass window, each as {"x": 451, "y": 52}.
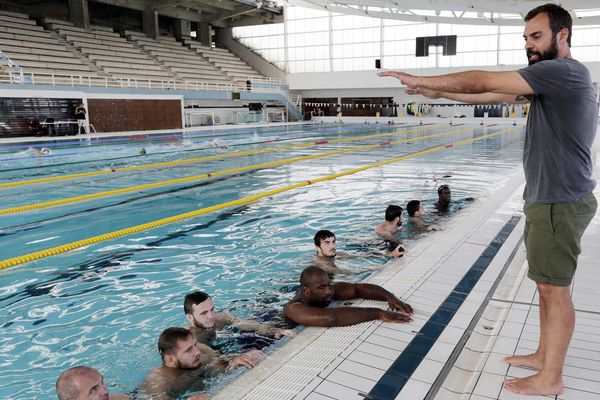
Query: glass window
{"x": 357, "y": 41}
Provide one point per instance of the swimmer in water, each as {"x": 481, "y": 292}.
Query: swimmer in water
{"x": 185, "y": 366}
{"x": 205, "y": 322}
{"x": 142, "y": 152}
{"x": 216, "y": 143}
{"x": 326, "y": 247}
{"x": 444, "y": 198}
{"x": 392, "y": 224}
{"x": 416, "y": 212}
{"x": 32, "y": 151}
{"x": 84, "y": 383}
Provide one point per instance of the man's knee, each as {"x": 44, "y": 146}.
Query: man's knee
{"x": 547, "y": 290}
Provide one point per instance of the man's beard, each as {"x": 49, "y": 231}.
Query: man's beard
{"x": 550, "y": 54}
{"x": 320, "y": 303}
{"x": 197, "y": 324}
{"x": 180, "y": 365}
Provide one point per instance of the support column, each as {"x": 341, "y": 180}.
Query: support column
{"x": 79, "y": 13}
{"x": 150, "y": 23}
{"x": 183, "y": 29}
{"x": 204, "y": 34}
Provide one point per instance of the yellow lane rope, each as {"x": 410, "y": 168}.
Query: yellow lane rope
{"x": 60, "y": 202}
{"x": 199, "y": 159}
{"x": 11, "y": 262}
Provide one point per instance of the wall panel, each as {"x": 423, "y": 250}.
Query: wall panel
{"x": 21, "y": 116}
{"x": 117, "y": 115}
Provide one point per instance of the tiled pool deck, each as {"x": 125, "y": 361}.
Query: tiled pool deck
{"x": 474, "y": 305}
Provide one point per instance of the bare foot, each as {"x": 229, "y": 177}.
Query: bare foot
{"x": 534, "y": 385}
{"x": 529, "y": 360}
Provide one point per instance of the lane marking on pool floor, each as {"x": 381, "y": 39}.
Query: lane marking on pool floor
{"x": 199, "y": 159}
{"x": 91, "y": 196}
{"x": 11, "y": 262}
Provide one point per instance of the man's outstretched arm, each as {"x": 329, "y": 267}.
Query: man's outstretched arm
{"x": 468, "y": 82}
{"x": 480, "y": 98}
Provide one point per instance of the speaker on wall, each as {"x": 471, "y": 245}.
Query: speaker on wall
{"x": 255, "y": 106}
{"x": 378, "y": 63}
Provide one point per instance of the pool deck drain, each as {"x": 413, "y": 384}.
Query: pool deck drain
{"x": 497, "y": 317}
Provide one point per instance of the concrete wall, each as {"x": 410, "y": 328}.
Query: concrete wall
{"x": 225, "y": 37}
{"x": 368, "y": 84}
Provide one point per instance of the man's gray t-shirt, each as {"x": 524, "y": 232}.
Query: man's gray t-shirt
{"x": 560, "y": 132}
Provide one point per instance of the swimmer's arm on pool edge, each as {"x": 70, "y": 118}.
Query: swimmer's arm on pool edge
{"x": 339, "y": 316}
{"x": 348, "y": 291}
{"x": 249, "y": 325}
{"x": 342, "y": 316}
{"x": 397, "y": 252}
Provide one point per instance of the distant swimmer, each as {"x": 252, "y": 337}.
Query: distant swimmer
{"x": 205, "y": 321}
{"x": 32, "y": 151}
{"x": 142, "y": 152}
{"x": 326, "y": 247}
{"x": 392, "y": 224}
{"x": 184, "y": 367}
{"x": 216, "y": 143}
{"x": 444, "y": 198}
{"x": 310, "y": 305}
{"x": 84, "y": 383}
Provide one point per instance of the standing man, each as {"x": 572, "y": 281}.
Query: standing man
{"x": 559, "y": 203}
{"x": 80, "y": 114}
{"x": 84, "y": 383}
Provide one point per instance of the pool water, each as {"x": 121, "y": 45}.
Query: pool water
{"x": 104, "y": 305}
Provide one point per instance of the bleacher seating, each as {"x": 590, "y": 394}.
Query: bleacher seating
{"x": 36, "y": 50}
{"x": 185, "y": 64}
{"x": 61, "y": 48}
{"x": 224, "y": 60}
{"x": 115, "y": 55}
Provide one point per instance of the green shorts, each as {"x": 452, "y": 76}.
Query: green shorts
{"x": 552, "y": 239}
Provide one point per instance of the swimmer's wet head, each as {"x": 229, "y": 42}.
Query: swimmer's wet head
{"x": 142, "y": 152}
{"x": 444, "y": 194}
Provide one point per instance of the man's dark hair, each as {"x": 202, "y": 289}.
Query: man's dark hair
{"x": 193, "y": 299}
{"x": 392, "y": 212}
{"x": 309, "y": 273}
{"x": 412, "y": 207}
{"x": 322, "y": 235}
{"x": 558, "y": 16}
{"x": 169, "y": 339}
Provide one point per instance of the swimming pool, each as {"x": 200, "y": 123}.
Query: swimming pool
{"x": 105, "y": 304}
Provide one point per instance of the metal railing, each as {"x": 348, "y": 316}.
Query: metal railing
{"x": 29, "y": 78}
{"x": 266, "y": 79}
